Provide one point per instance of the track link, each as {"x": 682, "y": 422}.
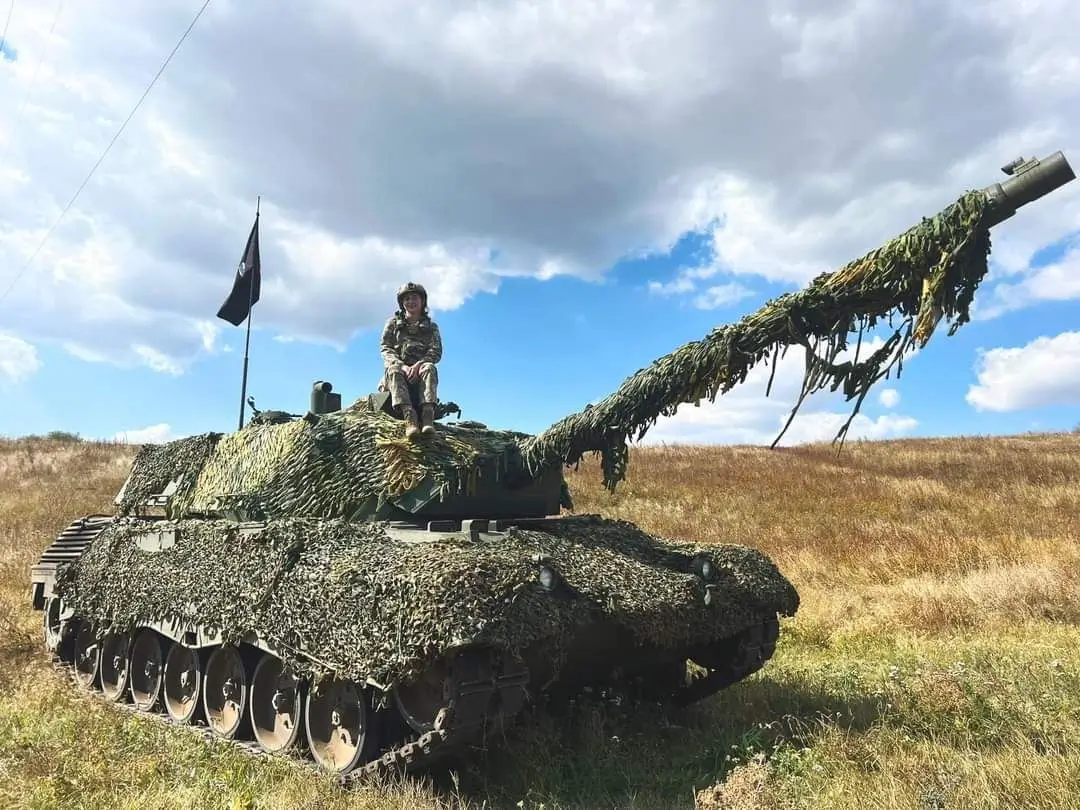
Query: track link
{"x": 466, "y": 717}
{"x": 463, "y": 720}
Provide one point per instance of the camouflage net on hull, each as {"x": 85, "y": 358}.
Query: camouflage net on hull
{"x": 349, "y": 464}
{"x": 929, "y": 272}
{"x": 365, "y": 603}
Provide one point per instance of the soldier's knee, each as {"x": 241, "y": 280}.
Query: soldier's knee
{"x": 428, "y": 369}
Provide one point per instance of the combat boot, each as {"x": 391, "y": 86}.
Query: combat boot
{"x": 409, "y": 413}
{"x": 428, "y": 415}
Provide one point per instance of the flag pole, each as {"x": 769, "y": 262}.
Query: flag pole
{"x": 247, "y": 337}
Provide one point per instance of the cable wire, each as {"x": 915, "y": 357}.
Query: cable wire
{"x": 33, "y": 80}
{"x": 115, "y": 137}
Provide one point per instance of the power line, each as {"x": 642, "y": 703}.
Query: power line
{"x": 33, "y": 80}
{"x": 115, "y": 137}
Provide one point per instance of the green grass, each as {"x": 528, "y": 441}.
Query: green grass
{"x": 935, "y": 662}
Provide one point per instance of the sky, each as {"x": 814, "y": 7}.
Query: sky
{"x": 582, "y": 187}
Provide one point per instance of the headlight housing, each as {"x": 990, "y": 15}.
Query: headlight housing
{"x": 548, "y": 578}
{"x": 704, "y": 567}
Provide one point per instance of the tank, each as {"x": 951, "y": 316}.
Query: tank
{"x": 319, "y": 586}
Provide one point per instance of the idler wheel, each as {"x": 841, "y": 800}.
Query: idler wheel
{"x": 51, "y": 623}
{"x": 145, "y": 672}
{"x": 275, "y": 705}
{"x": 337, "y": 723}
{"x": 115, "y": 648}
{"x": 182, "y": 683}
{"x": 734, "y": 652}
{"x": 87, "y": 656}
{"x": 419, "y": 700}
{"x": 225, "y": 691}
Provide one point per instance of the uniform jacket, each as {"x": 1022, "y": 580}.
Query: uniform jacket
{"x": 405, "y": 343}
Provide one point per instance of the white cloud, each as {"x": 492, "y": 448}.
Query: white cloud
{"x": 721, "y": 295}
{"x": 154, "y": 434}
{"x": 889, "y": 397}
{"x": 18, "y": 359}
{"x": 561, "y": 136}
{"x": 745, "y": 415}
{"x": 682, "y": 284}
{"x": 1044, "y": 372}
{"x": 715, "y": 426}
{"x": 1056, "y": 281}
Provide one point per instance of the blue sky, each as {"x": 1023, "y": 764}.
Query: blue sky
{"x": 511, "y": 163}
{"x": 521, "y": 358}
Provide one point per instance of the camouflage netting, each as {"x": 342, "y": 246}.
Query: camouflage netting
{"x": 156, "y": 465}
{"x": 368, "y": 605}
{"x": 348, "y": 464}
{"x": 929, "y": 272}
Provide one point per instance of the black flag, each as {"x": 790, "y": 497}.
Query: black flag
{"x": 246, "y": 286}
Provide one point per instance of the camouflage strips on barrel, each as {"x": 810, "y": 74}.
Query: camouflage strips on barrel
{"x": 367, "y": 605}
{"x": 929, "y": 272}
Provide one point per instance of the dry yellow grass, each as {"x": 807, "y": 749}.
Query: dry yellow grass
{"x": 935, "y": 662}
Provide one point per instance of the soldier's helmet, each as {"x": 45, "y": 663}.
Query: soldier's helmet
{"x": 412, "y": 287}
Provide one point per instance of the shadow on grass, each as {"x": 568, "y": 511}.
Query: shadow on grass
{"x": 604, "y": 755}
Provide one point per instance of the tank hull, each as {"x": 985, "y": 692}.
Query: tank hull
{"x": 440, "y": 636}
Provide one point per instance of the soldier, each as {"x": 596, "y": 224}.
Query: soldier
{"x": 411, "y": 346}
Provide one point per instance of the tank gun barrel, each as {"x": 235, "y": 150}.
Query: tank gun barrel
{"x": 1029, "y": 179}
{"x": 930, "y": 271}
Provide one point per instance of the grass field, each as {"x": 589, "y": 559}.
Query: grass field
{"x": 935, "y": 662}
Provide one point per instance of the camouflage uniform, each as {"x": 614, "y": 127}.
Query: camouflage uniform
{"x": 405, "y": 342}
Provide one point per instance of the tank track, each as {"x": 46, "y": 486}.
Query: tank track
{"x": 475, "y": 684}
{"x": 459, "y": 723}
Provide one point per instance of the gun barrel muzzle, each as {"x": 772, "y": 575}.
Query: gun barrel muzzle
{"x": 1029, "y": 181}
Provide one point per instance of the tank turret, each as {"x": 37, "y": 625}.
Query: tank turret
{"x": 320, "y": 583}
